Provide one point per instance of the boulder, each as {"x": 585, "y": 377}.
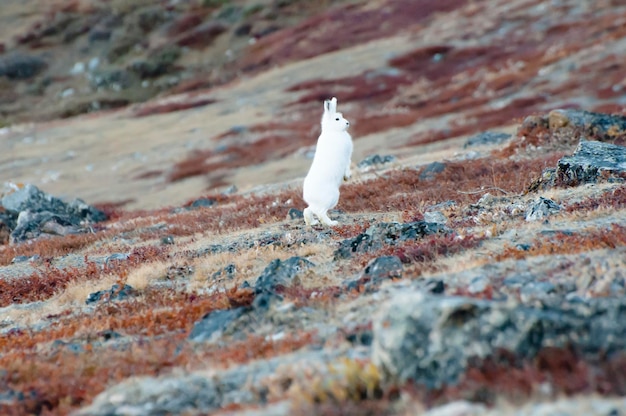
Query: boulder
{"x": 541, "y": 208}
{"x": 431, "y": 339}
{"x": 382, "y": 234}
{"x": 281, "y": 273}
{"x": 19, "y": 66}
{"x": 30, "y": 212}
{"x": 591, "y": 162}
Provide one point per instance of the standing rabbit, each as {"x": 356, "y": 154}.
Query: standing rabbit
{"x": 331, "y": 166}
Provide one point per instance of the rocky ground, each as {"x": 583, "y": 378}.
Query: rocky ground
{"x": 480, "y": 262}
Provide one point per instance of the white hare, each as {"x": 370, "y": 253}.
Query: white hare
{"x": 331, "y": 166}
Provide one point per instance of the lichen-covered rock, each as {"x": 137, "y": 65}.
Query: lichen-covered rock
{"x": 382, "y": 234}
{"x": 591, "y": 162}
{"x": 431, "y": 170}
{"x": 374, "y": 160}
{"x": 213, "y": 324}
{"x": 431, "y": 339}
{"x": 541, "y": 208}
{"x": 20, "y": 66}
{"x": 31, "y": 212}
{"x": 281, "y": 273}
{"x": 116, "y": 292}
{"x": 199, "y": 392}
{"x": 596, "y": 126}
{"x": 487, "y": 138}
{"x": 377, "y": 271}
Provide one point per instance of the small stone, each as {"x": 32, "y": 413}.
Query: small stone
{"x": 487, "y": 138}
{"x": 167, "y": 240}
{"x": 374, "y": 160}
{"x": 202, "y": 202}
{"x": 281, "y": 273}
{"x": 295, "y": 214}
{"x": 232, "y": 189}
{"x": 536, "y": 290}
{"x": 212, "y": 325}
{"x": 20, "y": 66}
{"x": 227, "y": 271}
{"x": 385, "y": 267}
{"x": 478, "y": 285}
{"x": 116, "y": 257}
{"x": 116, "y": 292}
{"x": 435, "y": 217}
{"x": 458, "y": 408}
{"x": 542, "y": 208}
{"x": 435, "y": 286}
{"x": 377, "y": 271}
{"x": 431, "y": 170}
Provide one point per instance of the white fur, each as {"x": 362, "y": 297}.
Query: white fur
{"x": 330, "y": 167}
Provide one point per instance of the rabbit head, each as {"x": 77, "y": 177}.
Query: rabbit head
{"x": 332, "y": 120}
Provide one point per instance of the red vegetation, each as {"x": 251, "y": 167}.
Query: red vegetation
{"x": 275, "y": 141}
{"x": 201, "y": 36}
{"x": 562, "y": 243}
{"x": 340, "y": 28}
{"x": 505, "y": 375}
{"x": 615, "y": 198}
{"x": 149, "y": 109}
{"x": 403, "y": 190}
{"x": 47, "y": 247}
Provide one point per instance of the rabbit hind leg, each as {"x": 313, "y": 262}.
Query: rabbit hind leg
{"x": 308, "y": 217}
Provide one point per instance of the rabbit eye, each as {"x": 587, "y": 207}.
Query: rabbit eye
{"x": 337, "y": 119}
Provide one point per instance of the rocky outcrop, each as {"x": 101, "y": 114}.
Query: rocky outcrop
{"x": 432, "y": 339}
{"x": 592, "y": 162}
{"x": 382, "y": 234}
{"x": 30, "y": 212}
{"x": 20, "y": 66}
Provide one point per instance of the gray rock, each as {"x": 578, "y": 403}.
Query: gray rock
{"x": 430, "y": 339}
{"x": 115, "y": 80}
{"x": 20, "y": 66}
{"x": 536, "y": 290}
{"x": 479, "y": 284}
{"x": 374, "y": 160}
{"x": 431, "y": 170}
{"x": 578, "y": 124}
{"x": 593, "y": 161}
{"x": 115, "y": 293}
{"x": 541, "y": 208}
{"x": 295, "y": 214}
{"x": 487, "y": 138}
{"x": 160, "y": 62}
{"x": 227, "y": 271}
{"x": 212, "y": 325}
{"x": 281, "y": 273}
{"x": 32, "y": 198}
{"x": 382, "y": 234}
{"x": 435, "y": 217}
{"x": 200, "y": 392}
{"x": 36, "y": 212}
{"x": 381, "y": 268}
{"x": 32, "y": 224}
{"x": 458, "y": 408}
{"x": 116, "y": 257}
{"x": 202, "y": 202}
{"x": 377, "y": 271}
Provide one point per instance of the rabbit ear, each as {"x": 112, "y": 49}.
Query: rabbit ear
{"x": 330, "y": 106}
{"x": 327, "y": 107}
{"x": 333, "y": 105}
